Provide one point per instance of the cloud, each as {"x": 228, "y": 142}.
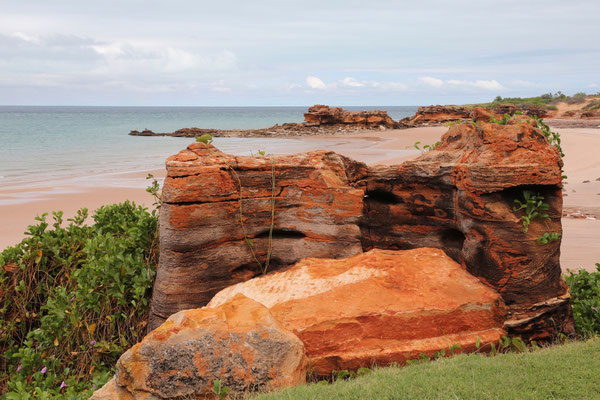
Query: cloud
{"x": 594, "y": 85}
{"x": 351, "y": 82}
{"x": 351, "y": 85}
{"x": 315, "y": 82}
{"x": 434, "y": 82}
{"x": 478, "y": 84}
{"x": 73, "y": 62}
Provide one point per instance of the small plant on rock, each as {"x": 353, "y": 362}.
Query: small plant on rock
{"x": 154, "y": 190}
{"x": 533, "y": 205}
{"x": 502, "y": 121}
{"x": 427, "y": 147}
{"x": 553, "y": 137}
{"x": 219, "y": 390}
{"x": 206, "y": 138}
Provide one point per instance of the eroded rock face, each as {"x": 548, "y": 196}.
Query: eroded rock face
{"x": 526, "y": 109}
{"x": 239, "y": 342}
{"x": 319, "y": 114}
{"x": 204, "y": 248}
{"x": 378, "y": 307}
{"x": 436, "y": 115}
{"x": 458, "y": 197}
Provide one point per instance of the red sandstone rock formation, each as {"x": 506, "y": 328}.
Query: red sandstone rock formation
{"x": 526, "y": 109}
{"x": 480, "y": 114}
{"x": 377, "y": 307}
{"x": 239, "y": 343}
{"x": 436, "y": 115}
{"x": 203, "y": 246}
{"x": 318, "y": 115}
{"x": 458, "y": 197}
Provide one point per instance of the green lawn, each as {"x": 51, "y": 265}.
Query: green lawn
{"x": 570, "y": 371}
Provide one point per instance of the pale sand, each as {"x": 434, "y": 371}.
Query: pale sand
{"x": 580, "y": 246}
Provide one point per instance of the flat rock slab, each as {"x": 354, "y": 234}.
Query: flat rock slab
{"x": 378, "y": 307}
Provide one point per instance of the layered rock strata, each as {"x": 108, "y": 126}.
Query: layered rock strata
{"x": 239, "y": 343}
{"x": 319, "y": 115}
{"x": 526, "y": 109}
{"x": 378, "y": 307}
{"x": 436, "y": 115}
{"x": 458, "y": 197}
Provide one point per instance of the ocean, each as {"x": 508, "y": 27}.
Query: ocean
{"x": 50, "y": 145}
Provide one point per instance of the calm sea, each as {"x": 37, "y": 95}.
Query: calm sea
{"x": 40, "y": 146}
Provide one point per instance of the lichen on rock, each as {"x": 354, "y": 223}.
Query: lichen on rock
{"x": 238, "y": 343}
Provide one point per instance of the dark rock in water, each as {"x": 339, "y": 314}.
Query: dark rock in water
{"x": 458, "y": 197}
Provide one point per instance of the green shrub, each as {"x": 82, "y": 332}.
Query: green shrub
{"x": 593, "y": 106}
{"x": 73, "y": 298}
{"x": 585, "y": 300}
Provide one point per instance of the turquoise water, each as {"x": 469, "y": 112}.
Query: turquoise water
{"x": 45, "y": 145}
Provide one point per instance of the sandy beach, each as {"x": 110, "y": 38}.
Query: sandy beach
{"x": 580, "y": 246}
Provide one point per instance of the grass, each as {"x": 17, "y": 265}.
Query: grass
{"x": 568, "y": 371}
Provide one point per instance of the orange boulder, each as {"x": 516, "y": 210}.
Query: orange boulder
{"x": 378, "y": 307}
{"x": 239, "y": 343}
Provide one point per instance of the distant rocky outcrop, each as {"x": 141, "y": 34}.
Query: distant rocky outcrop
{"x": 321, "y": 115}
{"x": 325, "y": 120}
{"x": 319, "y": 120}
{"x": 458, "y": 198}
{"x": 378, "y": 308}
{"x": 436, "y": 115}
{"x": 239, "y": 343}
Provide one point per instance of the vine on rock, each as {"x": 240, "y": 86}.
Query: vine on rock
{"x": 264, "y": 266}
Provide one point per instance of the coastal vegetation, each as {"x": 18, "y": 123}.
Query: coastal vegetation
{"x": 73, "y": 298}
{"x": 546, "y": 100}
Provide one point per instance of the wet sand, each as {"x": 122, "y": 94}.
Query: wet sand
{"x": 581, "y": 237}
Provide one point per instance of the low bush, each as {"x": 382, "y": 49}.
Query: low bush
{"x": 593, "y": 106}
{"x": 547, "y": 100}
{"x": 73, "y": 298}
{"x": 585, "y": 300}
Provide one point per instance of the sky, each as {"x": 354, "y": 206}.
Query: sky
{"x": 294, "y": 53}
